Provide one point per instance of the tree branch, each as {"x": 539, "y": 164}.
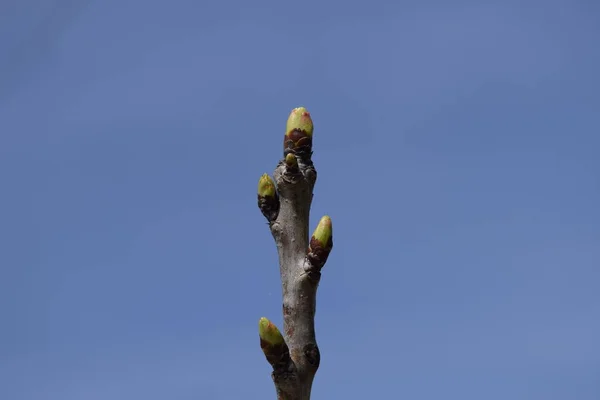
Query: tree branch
{"x": 286, "y": 202}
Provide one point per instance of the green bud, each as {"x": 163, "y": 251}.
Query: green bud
{"x": 321, "y": 243}
{"x": 291, "y": 161}
{"x": 266, "y": 186}
{"x": 298, "y": 133}
{"x": 300, "y": 120}
{"x": 268, "y": 332}
{"x": 324, "y": 231}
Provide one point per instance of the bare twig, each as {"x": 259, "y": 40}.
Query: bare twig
{"x": 285, "y": 201}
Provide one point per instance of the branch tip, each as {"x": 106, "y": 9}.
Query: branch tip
{"x": 285, "y": 200}
{"x": 300, "y": 119}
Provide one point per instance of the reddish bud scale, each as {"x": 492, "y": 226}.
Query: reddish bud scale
{"x": 297, "y": 142}
{"x": 269, "y": 207}
{"x": 272, "y": 344}
{"x": 317, "y": 253}
{"x": 274, "y": 353}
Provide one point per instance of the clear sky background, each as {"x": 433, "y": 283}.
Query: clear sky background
{"x": 457, "y": 148}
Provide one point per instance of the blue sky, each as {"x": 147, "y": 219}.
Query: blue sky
{"x": 457, "y": 149}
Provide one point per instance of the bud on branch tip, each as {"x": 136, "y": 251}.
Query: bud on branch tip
{"x": 298, "y": 132}
{"x": 300, "y": 120}
{"x": 269, "y": 333}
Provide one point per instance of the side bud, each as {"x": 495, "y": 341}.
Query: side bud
{"x": 273, "y": 345}
{"x": 268, "y": 201}
{"x": 292, "y": 163}
{"x": 321, "y": 243}
{"x": 269, "y": 334}
{"x": 298, "y": 133}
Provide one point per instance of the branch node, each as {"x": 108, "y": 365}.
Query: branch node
{"x": 313, "y": 355}
{"x": 308, "y": 170}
